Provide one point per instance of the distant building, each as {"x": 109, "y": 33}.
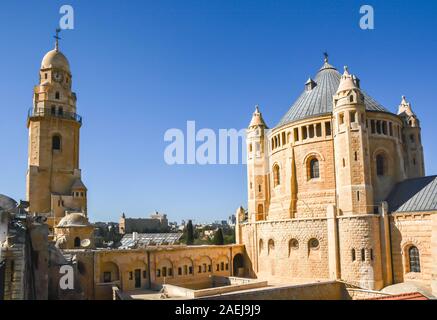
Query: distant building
{"x": 156, "y": 223}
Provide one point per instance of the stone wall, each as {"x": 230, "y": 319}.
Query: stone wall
{"x": 360, "y": 250}
{"x": 100, "y": 270}
{"x": 329, "y": 290}
{"x": 275, "y": 256}
{"x": 408, "y": 229}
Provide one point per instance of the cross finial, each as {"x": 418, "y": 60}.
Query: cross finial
{"x": 325, "y": 54}
{"x": 57, "y": 39}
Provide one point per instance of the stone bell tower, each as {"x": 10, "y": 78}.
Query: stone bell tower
{"x": 352, "y": 164}
{"x": 54, "y": 186}
{"x": 257, "y": 168}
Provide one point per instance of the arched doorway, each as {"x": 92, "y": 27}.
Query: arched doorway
{"x": 238, "y": 265}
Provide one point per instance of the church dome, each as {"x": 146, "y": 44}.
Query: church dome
{"x": 316, "y": 99}
{"x": 55, "y": 59}
{"x": 7, "y": 203}
{"x": 73, "y": 220}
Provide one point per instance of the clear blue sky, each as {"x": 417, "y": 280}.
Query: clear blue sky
{"x": 141, "y": 67}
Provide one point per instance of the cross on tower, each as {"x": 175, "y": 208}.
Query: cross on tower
{"x": 326, "y": 56}
{"x": 57, "y": 39}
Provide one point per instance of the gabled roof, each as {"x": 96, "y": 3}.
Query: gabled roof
{"x": 318, "y": 100}
{"x": 411, "y": 195}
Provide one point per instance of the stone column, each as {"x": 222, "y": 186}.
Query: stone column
{"x": 333, "y": 248}
{"x": 387, "y": 271}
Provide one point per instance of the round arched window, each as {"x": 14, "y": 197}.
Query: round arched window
{"x": 313, "y": 243}
{"x": 294, "y": 244}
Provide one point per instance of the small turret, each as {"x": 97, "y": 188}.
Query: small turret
{"x": 354, "y": 191}
{"x": 257, "y": 119}
{"x": 411, "y": 137}
{"x": 257, "y": 166}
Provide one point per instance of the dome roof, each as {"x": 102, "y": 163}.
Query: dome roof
{"x": 318, "y": 99}
{"x": 73, "y": 220}
{"x": 7, "y": 203}
{"x": 55, "y": 59}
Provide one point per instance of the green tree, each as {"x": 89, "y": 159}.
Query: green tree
{"x": 189, "y": 235}
{"x": 218, "y": 237}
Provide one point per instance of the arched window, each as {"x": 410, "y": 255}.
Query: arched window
{"x": 261, "y": 246}
{"x": 414, "y": 259}
{"x": 380, "y": 165}
{"x": 314, "y": 168}
{"x": 56, "y": 142}
{"x": 77, "y": 242}
{"x": 57, "y": 95}
{"x": 260, "y": 208}
{"x": 313, "y": 244}
{"x": 271, "y": 246}
{"x": 293, "y": 245}
{"x": 276, "y": 176}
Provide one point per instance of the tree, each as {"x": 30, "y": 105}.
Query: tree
{"x": 189, "y": 236}
{"x": 218, "y": 237}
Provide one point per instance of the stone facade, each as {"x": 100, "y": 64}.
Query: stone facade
{"x": 317, "y": 184}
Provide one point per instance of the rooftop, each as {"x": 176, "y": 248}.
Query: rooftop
{"x": 412, "y": 195}
{"x": 317, "y": 98}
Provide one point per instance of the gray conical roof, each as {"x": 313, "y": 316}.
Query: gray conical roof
{"x": 318, "y": 101}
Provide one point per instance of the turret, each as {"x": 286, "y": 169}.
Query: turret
{"x": 411, "y": 137}
{"x": 352, "y": 165}
{"x": 257, "y": 167}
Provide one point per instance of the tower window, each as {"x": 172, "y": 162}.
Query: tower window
{"x": 56, "y": 142}
{"x": 353, "y": 255}
{"x": 363, "y": 254}
{"x": 304, "y": 133}
{"x": 371, "y": 254}
{"x": 45, "y": 75}
{"x": 412, "y": 138}
{"x": 341, "y": 118}
{"x": 372, "y": 126}
{"x": 414, "y": 259}
{"x": 296, "y": 134}
{"x": 270, "y": 246}
{"x": 60, "y": 111}
{"x": 344, "y": 163}
{"x": 250, "y": 147}
{"x": 328, "y": 128}
{"x": 314, "y": 169}
{"x": 57, "y": 95}
{"x": 313, "y": 244}
{"x": 390, "y": 127}
{"x": 319, "y": 130}
{"x": 356, "y": 156}
{"x": 358, "y": 196}
{"x": 378, "y": 127}
{"x": 259, "y": 188}
{"x": 53, "y": 110}
{"x": 77, "y": 242}
{"x": 260, "y": 209}
{"x": 276, "y": 176}
{"x": 380, "y": 165}
{"x": 414, "y": 161}
{"x": 353, "y": 114}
